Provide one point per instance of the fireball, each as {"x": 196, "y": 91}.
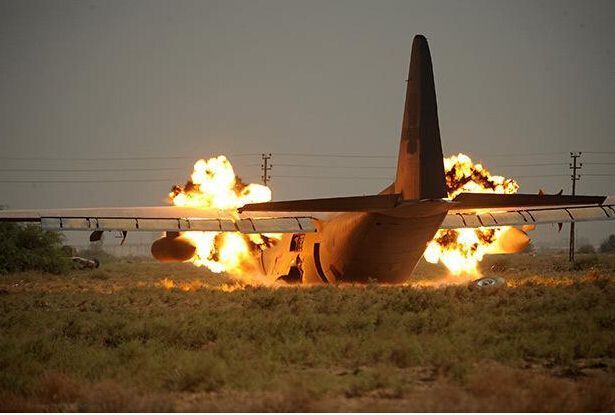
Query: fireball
{"x": 462, "y": 175}
{"x": 214, "y": 185}
{"x": 461, "y": 250}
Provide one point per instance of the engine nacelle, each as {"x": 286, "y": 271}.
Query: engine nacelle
{"x": 510, "y": 242}
{"x": 173, "y": 248}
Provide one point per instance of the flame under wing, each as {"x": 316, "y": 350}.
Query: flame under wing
{"x": 160, "y": 218}
{"x": 490, "y": 210}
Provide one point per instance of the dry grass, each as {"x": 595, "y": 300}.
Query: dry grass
{"x": 149, "y": 337}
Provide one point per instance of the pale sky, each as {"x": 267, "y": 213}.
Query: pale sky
{"x": 88, "y": 85}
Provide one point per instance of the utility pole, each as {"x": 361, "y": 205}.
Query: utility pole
{"x": 574, "y": 166}
{"x": 266, "y": 166}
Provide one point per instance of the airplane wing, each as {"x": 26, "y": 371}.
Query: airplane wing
{"x": 161, "y": 218}
{"x": 468, "y": 210}
{"x": 474, "y": 210}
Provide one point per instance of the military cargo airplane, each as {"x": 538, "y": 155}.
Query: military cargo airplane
{"x": 379, "y": 237}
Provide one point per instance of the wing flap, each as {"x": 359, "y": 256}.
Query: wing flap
{"x": 548, "y": 216}
{"x": 170, "y": 219}
{"x": 294, "y": 224}
{"x": 276, "y": 225}
{"x": 585, "y": 214}
{"x": 209, "y": 225}
{"x": 536, "y": 216}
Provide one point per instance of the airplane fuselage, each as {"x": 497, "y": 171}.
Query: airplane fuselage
{"x": 353, "y": 247}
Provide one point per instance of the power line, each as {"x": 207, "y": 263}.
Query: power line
{"x": 334, "y": 155}
{"x": 313, "y": 155}
{"x": 91, "y": 170}
{"x": 524, "y": 154}
{"x": 68, "y": 181}
{"x": 334, "y": 177}
{"x": 135, "y": 158}
{"x": 562, "y": 175}
{"x": 190, "y": 157}
{"x": 541, "y": 175}
{"x": 530, "y": 164}
{"x": 24, "y": 181}
{"x": 390, "y": 157}
{"x": 332, "y": 167}
{"x": 94, "y": 158}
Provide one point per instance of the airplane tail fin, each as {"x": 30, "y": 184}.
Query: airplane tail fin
{"x": 420, "y": 168}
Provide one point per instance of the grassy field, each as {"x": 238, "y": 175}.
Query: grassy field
{"x": 141, "y": 336}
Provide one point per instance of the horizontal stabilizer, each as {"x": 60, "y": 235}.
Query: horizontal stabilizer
{"x": 335, "y": 204}
{"x": 474, "y": 201}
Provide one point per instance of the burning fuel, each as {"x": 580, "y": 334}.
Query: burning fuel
{"x": 460, "y": 250}
{"x": 214, "y": 185}
{"x": 462, "y": 175}
{"x": 196, "y": 285}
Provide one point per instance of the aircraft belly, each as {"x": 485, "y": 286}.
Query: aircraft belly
{"x": 375, "y": 246}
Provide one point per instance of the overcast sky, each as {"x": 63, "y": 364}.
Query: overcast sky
{"x": 86, "y": 84}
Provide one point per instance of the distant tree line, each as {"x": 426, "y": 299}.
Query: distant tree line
{"x": 607, "y": 246}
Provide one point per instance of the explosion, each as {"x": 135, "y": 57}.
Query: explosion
{"x": 462, "y": 175}
{"x": 460, "y": 250}
{"x": 214, "y": 185}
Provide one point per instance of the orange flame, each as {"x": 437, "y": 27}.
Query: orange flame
{"x": 462, "y": 175}
{"x": 461, "y": 250}
{"x": 214, "y": 185}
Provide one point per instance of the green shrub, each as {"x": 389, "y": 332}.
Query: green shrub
{"x": 608, "y": 245}
{"x": 585, "y": 262}
{"x": 586, "y": 249}
{"x": 29, "y": 248}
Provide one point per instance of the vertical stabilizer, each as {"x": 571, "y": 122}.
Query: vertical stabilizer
{"x": 420, "y": 169}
